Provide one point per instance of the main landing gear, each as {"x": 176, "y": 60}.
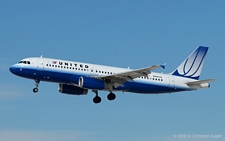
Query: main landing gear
{"x": 36, "y": 88}
{"x": 96, "y": 99}
{"x": 111, "y": 96}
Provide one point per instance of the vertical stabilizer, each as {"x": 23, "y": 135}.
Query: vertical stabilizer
{"x": 192, "y": 66}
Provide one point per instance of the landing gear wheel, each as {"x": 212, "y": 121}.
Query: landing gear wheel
{"x": 35, "y": 90}
{"x": 36, "y": 83}
{"x": 111, "y": 96}
{"x": 97, "y": 99}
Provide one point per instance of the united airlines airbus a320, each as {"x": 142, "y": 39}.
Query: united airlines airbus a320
{"x": 76, "y": 78}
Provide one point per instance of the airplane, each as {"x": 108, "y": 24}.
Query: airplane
{"x": 76, "y": 78}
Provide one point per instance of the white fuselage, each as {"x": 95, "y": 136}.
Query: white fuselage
{"x": 60, "y": 71}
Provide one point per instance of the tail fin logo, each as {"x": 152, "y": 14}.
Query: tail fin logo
{"x": 192, "y": 66}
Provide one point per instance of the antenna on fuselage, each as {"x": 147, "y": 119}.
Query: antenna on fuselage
{"x": 41, "y": 56}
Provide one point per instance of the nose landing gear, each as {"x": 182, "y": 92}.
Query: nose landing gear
{"x": 36, "y": 83}
{"x": 35, "y": 90}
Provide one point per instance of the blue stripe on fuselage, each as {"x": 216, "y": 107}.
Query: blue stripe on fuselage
{"x": 60, "y": 76}
{"x": 150, "y": 88}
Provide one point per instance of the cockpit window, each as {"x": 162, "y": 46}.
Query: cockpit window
{"x": 24, "y": 62}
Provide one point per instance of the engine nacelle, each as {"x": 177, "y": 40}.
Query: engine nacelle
{"x": 91, "y": 83}
{"x": 72, "y": 90}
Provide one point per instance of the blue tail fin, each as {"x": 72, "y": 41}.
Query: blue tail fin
{"x": 192, "y": 66}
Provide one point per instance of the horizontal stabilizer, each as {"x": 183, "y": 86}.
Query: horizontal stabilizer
{"x": 200, "y": 82}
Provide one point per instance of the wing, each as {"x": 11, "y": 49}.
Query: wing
{"x": 119, "y": 78}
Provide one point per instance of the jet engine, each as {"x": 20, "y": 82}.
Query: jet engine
{"x": 91, "y": 83}
{"x": 72, "y": 90}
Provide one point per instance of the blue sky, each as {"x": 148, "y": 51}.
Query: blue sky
{"x": 116, "y": 33}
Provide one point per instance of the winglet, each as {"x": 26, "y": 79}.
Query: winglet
{"x": 163, "y": 66}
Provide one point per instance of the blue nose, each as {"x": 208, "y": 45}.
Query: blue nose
{"x": 13, "y": 70}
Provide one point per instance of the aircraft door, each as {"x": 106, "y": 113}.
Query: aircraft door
{"x": 172, "y": 81}
{"x": 92, "y": 71}
{"x": 40, "y": 64}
